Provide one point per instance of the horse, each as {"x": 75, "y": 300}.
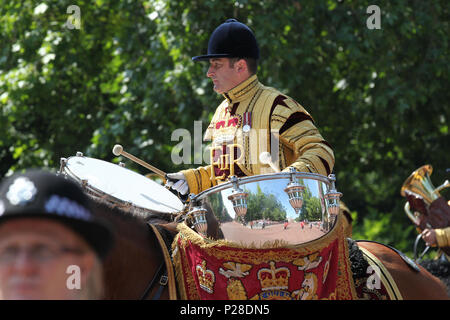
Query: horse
{"x": 433, "y": 216}
{"x": 135, "y": 257}
{"x": 423, "y": 281}
{"x": 439, "y": 268}
{"x": 413, "y": 284}
{"x": 130, "y": 269}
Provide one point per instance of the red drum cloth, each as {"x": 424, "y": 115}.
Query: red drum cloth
{"x": 209, "y": 269}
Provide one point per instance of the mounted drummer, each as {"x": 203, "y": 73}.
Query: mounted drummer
{"x": 252, "y": 119}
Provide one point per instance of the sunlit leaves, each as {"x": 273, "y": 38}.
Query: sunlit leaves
{"x": 379, "y": 97}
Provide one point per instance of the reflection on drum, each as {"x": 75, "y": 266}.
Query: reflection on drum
{"x": 292, "y": 207}
{"x": 119, "y": 186}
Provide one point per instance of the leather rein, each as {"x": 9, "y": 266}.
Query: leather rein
{"x": 163, "y": 273}
{"x": 162, "y": 283}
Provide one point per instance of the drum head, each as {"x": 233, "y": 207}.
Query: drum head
{"x": 122, "y": 184}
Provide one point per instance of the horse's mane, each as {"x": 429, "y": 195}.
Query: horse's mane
{"x": 440, "y": 269}
{"x": 111, "y": 210}
{"x": 358, "y": 264}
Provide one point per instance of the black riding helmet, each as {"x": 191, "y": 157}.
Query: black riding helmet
{"x": 232, "y": 39}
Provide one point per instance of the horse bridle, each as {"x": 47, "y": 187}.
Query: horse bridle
{"x": 162, "y": 282}
{"x": 161, "y": 272}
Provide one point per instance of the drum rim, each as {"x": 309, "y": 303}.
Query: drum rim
{"x": 106, "y": 195}
{"x": 267, "y": 177}
{"x": 262, "y": 177}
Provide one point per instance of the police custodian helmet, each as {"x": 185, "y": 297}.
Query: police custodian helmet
{"x": 232, "y": 39}
{"x": 44, "y": 195}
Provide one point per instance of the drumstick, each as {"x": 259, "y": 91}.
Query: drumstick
{"x": 266, "y": 158}
{"x": 118, "y": 150}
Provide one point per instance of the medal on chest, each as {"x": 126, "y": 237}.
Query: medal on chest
{"x": 247, "y": 122}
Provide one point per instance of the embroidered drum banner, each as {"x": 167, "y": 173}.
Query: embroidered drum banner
{"x": 222, "y": 270}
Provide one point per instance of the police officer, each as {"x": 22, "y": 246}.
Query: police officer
{"x": 51, "y": 245}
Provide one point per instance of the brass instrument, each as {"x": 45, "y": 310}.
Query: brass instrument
{"x": 419, "y": 183}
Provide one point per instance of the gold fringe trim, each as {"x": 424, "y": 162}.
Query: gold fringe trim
{"x": 345, "y": 268}
{"x": 306, "y": 248}
{"x": 176, "y": 256}
{"x": 345, "y": 287}
{"x": 179, "y": 258}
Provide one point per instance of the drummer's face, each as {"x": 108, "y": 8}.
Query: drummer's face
{"x": 223, "y": 75}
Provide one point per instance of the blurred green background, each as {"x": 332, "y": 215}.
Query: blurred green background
{"x": 380, "y": 97}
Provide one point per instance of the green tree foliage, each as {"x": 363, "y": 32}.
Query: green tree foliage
{"x": 218, "y": 208}
{"x": 261, "y": 205}
{"x": 379, "y": 97}
{"x": 312, "y": 208}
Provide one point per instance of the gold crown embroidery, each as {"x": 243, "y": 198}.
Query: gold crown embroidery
{"x": 274, "y": 278}
{"x": 206, "y": 277}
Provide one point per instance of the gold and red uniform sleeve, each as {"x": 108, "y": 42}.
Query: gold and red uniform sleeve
{"x": 303, "y": 147}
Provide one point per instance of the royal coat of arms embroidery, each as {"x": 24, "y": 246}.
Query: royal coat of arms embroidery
{"x": 219, "y": 270}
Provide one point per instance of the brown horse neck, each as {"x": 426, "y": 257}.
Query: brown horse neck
{"x": 413, "y": 285}
{"x": 135, "y": 258}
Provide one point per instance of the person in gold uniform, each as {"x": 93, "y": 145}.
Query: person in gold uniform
{"x": 440, "y": 238}
{"x": 252, "y": 119}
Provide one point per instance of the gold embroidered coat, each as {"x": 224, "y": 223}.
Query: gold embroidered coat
{"x": 279, "y": 125}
